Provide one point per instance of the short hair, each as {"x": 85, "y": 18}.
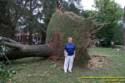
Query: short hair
{"x": 70, "y": 37}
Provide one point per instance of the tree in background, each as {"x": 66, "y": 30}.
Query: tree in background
{"x": 109, "y": 12}
{"x": 6, "y": 23}
{"x": 49, "y": 7}
{"x": 72, "y": 5}
{"x": 31, "y": 15}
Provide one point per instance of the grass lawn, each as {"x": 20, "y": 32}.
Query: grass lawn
{"x": 34, "y": 70}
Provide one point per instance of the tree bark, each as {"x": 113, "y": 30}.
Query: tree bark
{"x": 18, "y": 50}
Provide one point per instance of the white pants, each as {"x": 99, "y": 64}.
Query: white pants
{"x": 68, "y": 63}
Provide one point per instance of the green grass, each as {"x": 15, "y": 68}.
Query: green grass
{"x": 34, "y": 70}
{"x": 117, "y": 57}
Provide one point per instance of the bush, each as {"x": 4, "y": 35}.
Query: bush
{"x": 5, "y": 74}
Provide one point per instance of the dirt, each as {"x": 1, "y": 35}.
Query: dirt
{"x": 97, "y": 61}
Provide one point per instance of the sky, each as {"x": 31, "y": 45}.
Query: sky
{"x": 87, "y": 4}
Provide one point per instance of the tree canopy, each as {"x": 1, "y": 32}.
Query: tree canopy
{"x": 109, "y": 12}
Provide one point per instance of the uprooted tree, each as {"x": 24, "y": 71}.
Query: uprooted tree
{"x": 62, "y": 25}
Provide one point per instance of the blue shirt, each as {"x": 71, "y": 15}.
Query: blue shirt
{"x": 70, "y": 48}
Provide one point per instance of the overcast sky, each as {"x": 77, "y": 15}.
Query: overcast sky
{"x": 87, "y": 4}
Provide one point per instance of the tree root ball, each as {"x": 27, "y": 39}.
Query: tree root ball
{"x": 65, "y": 24}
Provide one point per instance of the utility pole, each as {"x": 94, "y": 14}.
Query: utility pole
{"x": 124, "y": 29}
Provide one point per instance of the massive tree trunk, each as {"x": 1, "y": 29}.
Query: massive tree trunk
{"x": 62, "y": 25}
{"x": 18, "y": 50}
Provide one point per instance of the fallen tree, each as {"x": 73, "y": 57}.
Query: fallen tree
{"x": 17, "y": 50}
{"x": 62, "y": 25}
